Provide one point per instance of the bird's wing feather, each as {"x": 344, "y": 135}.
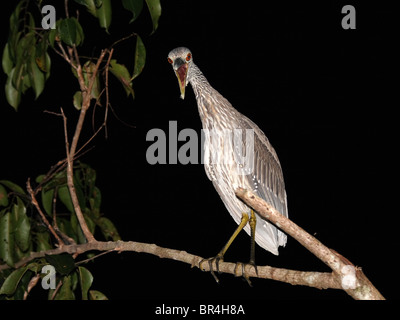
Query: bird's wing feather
{"x": 267, "y": 177}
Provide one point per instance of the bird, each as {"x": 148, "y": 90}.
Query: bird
{"x": 224, "y": 162}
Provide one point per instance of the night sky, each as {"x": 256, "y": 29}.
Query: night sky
{"x": 321, "y": 94}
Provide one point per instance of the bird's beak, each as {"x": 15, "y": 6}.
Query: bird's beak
{"x": 181, "y": 69}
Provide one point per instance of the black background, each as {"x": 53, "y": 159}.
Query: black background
{"x": 320, "y": 93}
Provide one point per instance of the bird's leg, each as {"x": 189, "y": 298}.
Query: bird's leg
{"x": 252, "y": 262}
{"x": 252, "y": 223}
{"x": 220, "y": 255}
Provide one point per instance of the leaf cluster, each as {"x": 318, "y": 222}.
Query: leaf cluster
{"x": 26, "y": 58}
{"x": 22, "y": 231}
{"x": 76, "y": 282}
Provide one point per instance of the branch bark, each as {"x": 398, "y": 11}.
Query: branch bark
{"x": 320, "y": 280}
{"x": 362, "y": 288}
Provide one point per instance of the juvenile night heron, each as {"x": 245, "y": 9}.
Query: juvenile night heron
{"x": 224, "y": 148}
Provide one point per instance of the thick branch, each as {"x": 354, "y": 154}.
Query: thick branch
{"x": 363, "y": 289}
{"x": 320, "y": 280}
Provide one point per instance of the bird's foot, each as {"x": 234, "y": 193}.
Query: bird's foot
{"x": 210, "y": 261}
{"x": 243, "y": 272}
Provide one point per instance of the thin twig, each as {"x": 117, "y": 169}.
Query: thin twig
{"x": 44, "y": 219}
{"x": 123, "y": 39}
{"x": 32, "y": 283}
{"x": 66, "y": 8}
{"x": 59, "y": 284}
{"x": 106, "y": 87}
{"x": 94, "y": 257}
{"x": 65, "y": 55}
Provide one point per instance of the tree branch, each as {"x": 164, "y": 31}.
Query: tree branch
{"x": 43, "y": 217}
{"x": 361, "y": 287}
{"x": 320, "y": 280}
{"x": 86, "y": 98}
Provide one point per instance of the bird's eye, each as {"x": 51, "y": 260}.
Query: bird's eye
{"x": 170, "y": 60}
{"x": 188, "y": 57}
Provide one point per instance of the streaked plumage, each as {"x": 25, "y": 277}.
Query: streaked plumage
{"x": 219, "y": 117}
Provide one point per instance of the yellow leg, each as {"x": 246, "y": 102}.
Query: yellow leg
{"x": 243, "y": 222}
{"x": 220, "y": 255}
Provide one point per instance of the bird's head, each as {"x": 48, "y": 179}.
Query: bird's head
{"x": 181, "y": 60}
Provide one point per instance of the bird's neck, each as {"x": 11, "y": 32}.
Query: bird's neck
{"x": 212, "y": 105}
{"x": 198, "y": 80}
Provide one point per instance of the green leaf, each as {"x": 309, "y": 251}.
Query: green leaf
{"x": 74, "y": 280}
{"x": 97, "y": 198}
{"x": 14, "y": 187}
{"x": 48, "y": 65}
{"x": 134, "y": 6}
{"x": 77, "y": 100}
{"x": 39, "y": 178}
{"x": 23, "y": 226}
{"x": 36, "y": 76}
{"x": 63, "y": 262}
{"x": 104, "y": 14}
{"x": 80, "y": 194}
{"x": 30, "y": 19}
{"x": 67, "y": 30}
{"x": 40, "y": 53}
{"x": 66, "y": 291}
{"x": 13, "y": 96}
{"x": 90, "y": 5}
{"x": 66, "y": 228}
{"x": 71, "y": 32}
{"x": 97, "y": 295}
{"x": 47, "y": 200}
{"x": 90, "y": 223}
{"x": 23, "y": 285}
{"x": 54, "y": 34}
{"x": 11, "y": 283}
{"x": 155, "y": 12}
{"x": 3, "y": 196}
{"x": 14, "y": 34}
{"x": 65, "y": 197}
{"x": 42, "y": 240}
{"x": 25, "y": 51}
{"x": 85, "y": 280}
{"x": 108, "y": 229}
{"x": 80, "y": 36}
{"x": 7, "y": 227}
{"x": 140, "y": 57}
{"x": 122, "y": 74}
{"x": 75, "y": 226}
{"x": 7, "y": 62}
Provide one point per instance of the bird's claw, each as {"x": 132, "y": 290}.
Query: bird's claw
{"x": 210, "y": 261}
{"x": 243, "y": 272}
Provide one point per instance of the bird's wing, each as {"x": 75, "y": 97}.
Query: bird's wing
{"x": 267, "y": 177}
